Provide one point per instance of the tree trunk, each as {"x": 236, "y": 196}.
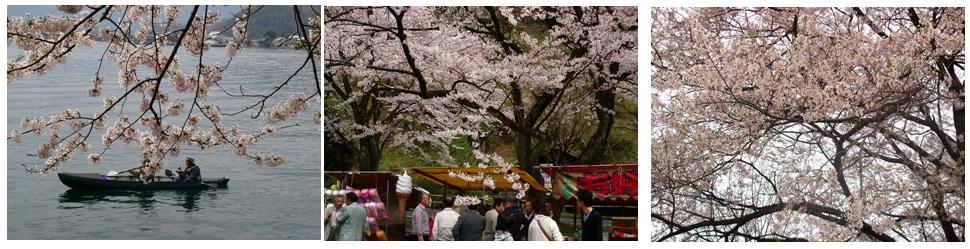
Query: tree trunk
{"x": 371, "y": 156}
{"x": 597, "y": 144}
{"x": 524, "y": 154}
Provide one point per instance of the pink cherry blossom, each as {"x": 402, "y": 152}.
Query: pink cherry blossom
{"x": 820, "y": 124}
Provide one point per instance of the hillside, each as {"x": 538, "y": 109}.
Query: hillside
{"x": 272, "y": 20}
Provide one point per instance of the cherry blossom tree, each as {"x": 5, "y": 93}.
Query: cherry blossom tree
{"x": 143, "y": 42}
{"x": 821, "y": 124}
{"x": 421, "y": 77}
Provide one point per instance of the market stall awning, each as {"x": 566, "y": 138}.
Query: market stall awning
{"x": 440, "y": 175}
{"x": 360, "y": 179}
{"x": 611, "y": 183}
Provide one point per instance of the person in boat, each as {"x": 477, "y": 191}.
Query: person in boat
{"x": 191, "y": 173}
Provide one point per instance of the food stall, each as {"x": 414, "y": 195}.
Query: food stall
{"x": 440, "y": 175}
{"x": 373, "y": 189}
{"x": 613, "y": 185}
{"x": 444, "y": 176}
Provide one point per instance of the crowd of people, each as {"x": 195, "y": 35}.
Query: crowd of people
{"x": 533, "y": 222}
{"x": 345, "y": 222}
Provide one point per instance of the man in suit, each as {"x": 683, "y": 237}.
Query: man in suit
{"x": 352, "y": 220}
{"x": 523, "y": 220}
{"x": 470, "y": 225}
{"x": 592, "y": 221}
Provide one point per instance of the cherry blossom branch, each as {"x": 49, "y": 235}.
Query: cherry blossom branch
{"x": 826, "y": 213}
{"x": 63, "y": 37}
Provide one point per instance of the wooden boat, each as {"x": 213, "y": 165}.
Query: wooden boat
{"x": 126, "y": 182}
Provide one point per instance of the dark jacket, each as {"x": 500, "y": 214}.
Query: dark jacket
{"x": 192, "y": 174}
{"x": 524, "y": 222}
{"x": 517, "y": 220}
{"x": 469, "y": 227}
{"x": 593, "y": 227}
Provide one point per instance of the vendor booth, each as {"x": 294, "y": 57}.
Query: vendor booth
{"x": 441, "y": 176}
{"x": 373, "y": 188}
{"x": 613, "y": 185}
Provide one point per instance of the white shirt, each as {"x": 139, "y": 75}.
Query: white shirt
{"x": 331, "y": 221}
{"x": 550, "y": 226}
{"x": 443, "y": 222}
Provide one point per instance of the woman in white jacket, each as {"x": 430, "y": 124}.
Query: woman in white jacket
{"x": 543, "y": 227}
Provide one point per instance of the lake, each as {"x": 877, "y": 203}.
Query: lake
{"x": 259, "y": 203}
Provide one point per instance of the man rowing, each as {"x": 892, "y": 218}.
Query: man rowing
{"x": 191, "y": 173}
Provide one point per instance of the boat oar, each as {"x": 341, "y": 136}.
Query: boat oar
{"x": 126, "y": 171}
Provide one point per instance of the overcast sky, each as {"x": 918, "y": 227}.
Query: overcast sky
{"x": 43, "y": 10}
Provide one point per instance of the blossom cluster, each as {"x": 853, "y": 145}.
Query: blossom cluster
{"x": 280, "y": 112}
{"x": 467, "y": 200}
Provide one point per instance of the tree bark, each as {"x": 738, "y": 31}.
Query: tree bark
{"x": 371, "y": 156}
{"x": 599, "y": 141}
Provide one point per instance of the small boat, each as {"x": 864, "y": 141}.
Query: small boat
{"x": 127, "y": 182}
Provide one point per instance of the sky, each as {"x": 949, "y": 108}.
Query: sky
{"x": 43, "y": 10}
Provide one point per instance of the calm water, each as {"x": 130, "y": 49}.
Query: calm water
{"x": 260, "y": 203}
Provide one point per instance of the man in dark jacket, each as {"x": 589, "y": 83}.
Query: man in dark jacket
{"x": 523, "y": 220}
{"x": 592, "y": 221}
{"x": 470, "y": 225}
{"x": 191, "y": 173}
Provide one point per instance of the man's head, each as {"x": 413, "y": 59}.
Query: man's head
{"x": 351, "y": 197}
{"x": 425, "y": 200}
{"x": 506, "y": 203}
{"x": 584, "y": 199}
{"x": 473, "y": 208}
{"x": 449, "y": 202}
{"x": 498, "y": 204}
{"x": 527, "y": 207}
{"x": 189, "y": 161}
{"x": 546, "y": 209}
{"x": 338, "y": 201}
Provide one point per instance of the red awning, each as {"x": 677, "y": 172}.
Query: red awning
{"x": 610, "y": 183}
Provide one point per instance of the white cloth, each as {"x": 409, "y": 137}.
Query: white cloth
{"x": 503, "y": 236}
{"x": 550, "y": 226}
{"x": 443, "y": 222}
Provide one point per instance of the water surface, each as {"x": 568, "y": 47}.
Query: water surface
{"x": 259, "y": 203}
